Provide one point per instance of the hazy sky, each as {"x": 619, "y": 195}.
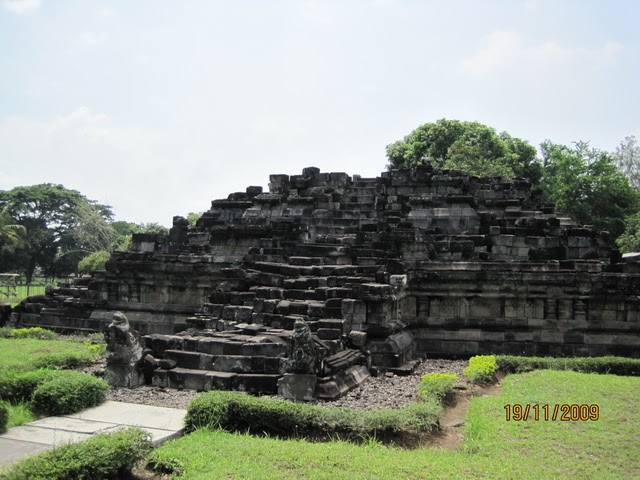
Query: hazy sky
{"x": 157, "y": 107}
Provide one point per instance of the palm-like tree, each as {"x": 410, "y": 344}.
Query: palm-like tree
{"x": 11, "y": 234}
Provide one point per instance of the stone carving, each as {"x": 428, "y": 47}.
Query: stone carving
{"x": 123, "y": 354}
{"x": 304, "y": 354}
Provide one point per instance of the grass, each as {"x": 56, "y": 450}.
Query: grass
{"x": 493, "y": 447}
{"x": 26, "y": 354}
{"x": 15, "y": 296}
{"x": 18, "y": 414}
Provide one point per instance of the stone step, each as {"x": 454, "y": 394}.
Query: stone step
{"x": 306, "y": 260}
{"x": 342, "y": 361}
{"x": 225, "y": 363}
{"x": 360, "y": 190}
{"x": 335, "y": 323}
{"x": 285, "y": 269}
{"x": 370, "y": 261}
{"x": 237, "y": 313}
{"x": 335, "y": 386}
{"x": 220, "y": 343}
{"x": 297, "y": 294}
{"x": 320, "y": 250}
{"x": 278, "y": 320}
{"x": 205, "y": 380}
{"x": 305, "y": 283}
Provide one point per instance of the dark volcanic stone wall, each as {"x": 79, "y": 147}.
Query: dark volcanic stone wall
{"x": 490, "y": 267}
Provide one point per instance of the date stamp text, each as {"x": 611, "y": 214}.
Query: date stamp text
{"x": 558, "y": 412}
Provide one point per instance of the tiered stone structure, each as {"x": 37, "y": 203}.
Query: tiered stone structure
{"x": 382, "y": 270}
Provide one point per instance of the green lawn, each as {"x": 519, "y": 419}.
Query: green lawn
{"x": 25, "y": 354}
{"x": 14, "y": 295}
{"x": 493, "y": 448}
{"x": 18, "y": 355}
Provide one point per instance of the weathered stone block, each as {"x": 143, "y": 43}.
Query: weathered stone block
{"x": 297, "y": 387}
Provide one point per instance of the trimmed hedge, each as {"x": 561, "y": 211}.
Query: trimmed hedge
{"x": 4, "y": 417}
{"x": 605, "y": 365}
{"x": 108, "y": 455}
{"x": 68, "y": 393}
{"x": 436, "y": 386}
{"x": 482, "y": 368}
{"x": 19, "y": 387}
{"x": 234, "y": 411}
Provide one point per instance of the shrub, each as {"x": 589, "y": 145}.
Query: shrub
{"x": 482, "y": 368}
{"x": 69, "y": 393}
{"x": 611, "y": 365}
{"x": 4, "y": 417}
{"x": 235, "y": 411}
{"x": 19, "y": 387}
{"x": 437, "y": 386}
{"x": 34, "y": 332}
{"x": 107, "y": 455}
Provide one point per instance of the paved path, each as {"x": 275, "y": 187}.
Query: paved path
{"x": 18, "y": 442}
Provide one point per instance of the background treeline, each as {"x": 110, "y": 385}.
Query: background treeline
{"x": 54, "y": 231}
{"x": 592, "y": 186}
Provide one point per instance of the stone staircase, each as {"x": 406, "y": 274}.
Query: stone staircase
{"x": 241, "y": 339}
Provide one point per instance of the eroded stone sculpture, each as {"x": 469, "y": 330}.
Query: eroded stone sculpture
{"x": 123, "y": 354}
{"x": 299, "y": 382}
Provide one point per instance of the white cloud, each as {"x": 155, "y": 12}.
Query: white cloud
{"x": 106, "y": 12}
{"x": 88, "y": 151}
{"x": 21, "y": 7}
{"x": 324, "y": 13}
{"x": 506, "y": 51}
{"x": 88, "y": 39}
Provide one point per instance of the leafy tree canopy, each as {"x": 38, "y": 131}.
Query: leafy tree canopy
{"x": 627, "y": 159}
{"x": 193, "y": 217}
{"x": 629, "y": 241}
{"x": 52, "y": 217}
{"x": 12, "y": 235}
{"x": 471, "y": 147}
{"x": 585, "y": 184}
{"x": 93, "y": 261}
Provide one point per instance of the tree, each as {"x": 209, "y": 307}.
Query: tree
{"x": 49, "y": 214}
{"x": 193, "y": 217}
{"x": 471, "y": 147}
{"x": 153, "y": 228}
{"x": 11, "y": 234}
{"x": 93, "y": 230}
{"x": 627, "y": 158}
{"x": 629, "y": 241}
{"x": 585, "y": 184}
{"x": 93, "y": 261}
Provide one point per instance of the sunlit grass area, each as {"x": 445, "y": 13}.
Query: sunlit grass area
{"x": 493, "y": 447}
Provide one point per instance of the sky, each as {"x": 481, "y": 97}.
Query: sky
{"x": 157, "y": 107}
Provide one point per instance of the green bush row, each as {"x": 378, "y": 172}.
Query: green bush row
{"x": 482, "y": 368}
{"x": 62, "y": 395}
{"x": 4, "y": 417}
{"x": 610, "y": 365}
{"x": 19, "y": 387}
{"x": 54, "y": 392}
{"x": 109, "y": 455}
{"x": 234, "y": 411}
{"x": 438, "y": 386}
{"x": 31, "y": 332}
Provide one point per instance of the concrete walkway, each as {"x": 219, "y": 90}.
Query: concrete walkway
{"x": 18, "y": 442}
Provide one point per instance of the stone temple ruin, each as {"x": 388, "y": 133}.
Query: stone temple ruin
{"x": 377, "y": 272}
